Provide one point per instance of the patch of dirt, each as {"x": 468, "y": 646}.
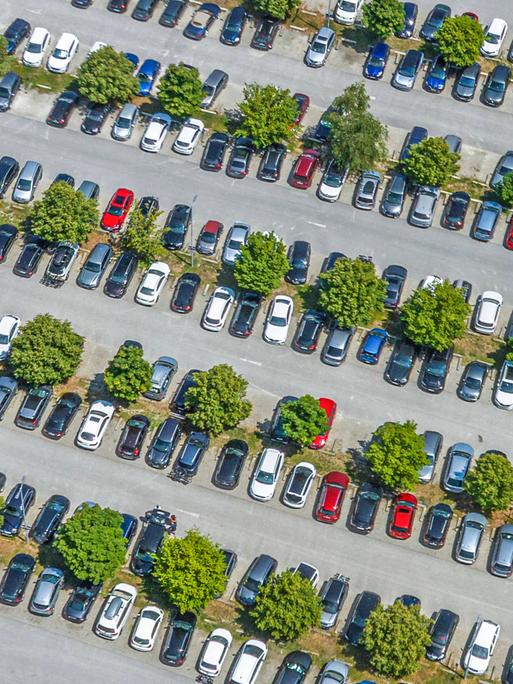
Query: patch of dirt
{"x": 9, "y": 547}
{"x": 480, "y": 347}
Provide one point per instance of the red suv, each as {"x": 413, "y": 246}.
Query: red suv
{"x": 402, "y": 516}
{"x": 330, "y": 409}
{"x": 304, "y": 169}
{"x": 116, "y": 212}
{"x": 331, "y": 497}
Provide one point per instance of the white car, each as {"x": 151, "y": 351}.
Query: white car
{"x": 9, "y": 328}
{"x": 146, "y": 628}
{"x": 115, "y": 611}
{"x": 156, "y": 132}
{"x": 63, "y": 53}
{"x": 495, "y": 33}
{"x": 214, "y": 652}
{"x": 36, "y": 47}
{"x": 308, "y": 572}
{"x": 488, "y": 310}
{"x": 152, "y": 284}
{"x": 332, "y": 182}
{"x": 485, "y": 635}
{"x": 95, "y": 424}
{"x": 97, "y": 46}
{"x": 430, "y": 282}
{"x": 299, "y": 484}
{"x": 503, "y": 392}
{"x": 278, "y": 320}
{"x": 189, "y": 136}
{"x": 266, "y": 474}
{"x": 346, "y": 11}
{"x": 218, "y": 308}
{"x": 248, "y": 662}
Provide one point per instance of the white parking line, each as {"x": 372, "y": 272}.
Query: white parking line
{"x": 255, "y": 363}
{"x": 193, "y": 515}
{"x": 318, "y": 225}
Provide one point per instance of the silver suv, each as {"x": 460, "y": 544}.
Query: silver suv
{"x": 469, "y": 538}
{"x": 423, "y": 206}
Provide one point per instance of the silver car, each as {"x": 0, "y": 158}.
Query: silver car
{"x": 423, "y": 206}
{"x": 235, "y": 240}
{"x": 334, "y": 672}
{"x": 125, "y": 122}
{"x": 320, "y": 47}
{"x": 459, "y": 459}
{"x": 337, "y": 345}
{"x": 469, "y": 538}
{"x": 504, "y": 167}
{"x": 46, "y": 591}
{"x": 501, "y": 562}
{"x": 432, "y": 446}
{"x": 94, "y": 266}
{"x": 366, "y": 190}
{"x": 407, "y": 70}
{"x": 27, "y": 182}
{"x": 394, "y": 196}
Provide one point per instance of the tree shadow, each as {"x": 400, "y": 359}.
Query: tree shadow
{"x": 154, "y": 592}
{"x": 309, "y": 296}
{"x": 97, "y": 390}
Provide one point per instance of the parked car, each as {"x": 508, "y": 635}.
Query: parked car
{"x": 365, "y": 508}
{"x": 333, "y": 595}
{"x": 435, "y": 370}
{"x": 118, "y": 6}
{"x": 294, "y": 668}
{"x": 213, "y": 85}
{"x": 466, "y": 82}
{"x": 178, "y": 223}
{"x": 185, "y": 293}
{"x": 487, "y": 312}
{"x": 404, "y": 507}
{"x": 189, "y": 136}
{"x": 144, "y": 9}
{"x": 299, "y": 260}
{"x": 19, "y": 501}
{"x": 202, "y": 19}
{"x": 503, "y": 391}
{"x": 49, "y": 518}
{"x": 363, "y": 606}
{"x": 272, "y": 160}
{"x": 248, "y": 662}
{"x": 423, "y": 206}
{"x": 437, "y": 525}
{"x": 486, "y": 221}
{"x": 121, "y": 275}
{"x": 61, "y": 415}
{"x": 230, "y": 464}
{"x": 436, "y": 75}
{"x": 278, "y": 319}
{"x": 95, "y": 266}
{"x": 28, "y": 259}
{"x": 178, "y": 402}
{"x": 304, "y": 169}
{"x": 62, "y": 54}
{"x": 28, "y": 180}
{"x": 95, "y": 424}
{"x": 214, "y": 152}
{"x": 146, "y": 628}
{"x": 479, "y": 649}
{"x": 495, "y": 33}
{"x": 503, "y": 168}
{"x": 240, "y": 158}
{"x": 337, "y": 344}
{"x": 164, "y": 443}
{"x": 330, "y": 408}
{"x": 299, "y": 484}
{"x": 132, "y": 438}
{"x": 434, "y": 21}
{"x": 320, "y": 47}
{"x": 406, "y": 73}
{"x": 465, "y": 288}
{"x": 9, "y": 329}
{"x": 172, "y": 13}
{"x": 395, "y": 277}
{"x": 331, "y": 497}
{"x": 116, "y": 611}
{"x": 376, "y": 61}
{"x": 441, "y": 633}
{"x": 95, "y": 118}
{"x": 214, "y": 652}
{"x": 469, "y": 538}
{"x": 472, "y": 381}
{"x": 414, "y": 137}
{"x": 266, "y": 474}
{"x": 346, "y": 11}
{"x": 265, "y": 33}
{"x": 9, "y": 169}
{"x": 152, "y": 283}
{"x": 16, "y": 578}
{"x": 147, "y": 76}
{"x": 308, "y": 331}
{"x": 117, "y": 210}
{"x": 455, "y": 210}
{"x": 8, "y": 389}
{"x": 163, "y": 371}
{"x": 236, "y": 239}
{"x": 496, "y": 86}
{"x": 432, "y": 446}
{"x": 393, "y": 198}
{"x": 36, "y": 47}
{"x": 246, "y": 312}
{"x": 33, "y": 406}
{"x": 156, "y": 132}
{"x": 217, "y": 309}
{"x": 458, "y": 464}
{"x": 258, "y": 574}
{"x": 208, "y": 238}
{"x": 410, "y": 17}
{"x": 332, "y": 182}
{"x": 46, "y": 592}
{"x": 15, "y": 33}
{"x": 372, "y": 346}
{"x": 401, "y": 363}
{"x": 233, "y": 28}
{"x": 276, "y": 431}
{"x": 192, "y": 452}
{"x": 366, "y": 190}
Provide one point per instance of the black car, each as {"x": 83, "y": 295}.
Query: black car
{"x": 322, "y": 131}
{"x": 8, "y": 389}
{"x": 16, "y": 577}
{"x": 465, "y": 287}
{"x": 294, "y": 668}
{"x": 81, "y": 600}
{"x": 61, "y": 415}
{"x": 442, "y": 631}
{"x": 144, "y": 9}
{"x": 82, "y": 4}
{"x": 148, "y": 205}
{"x": 64, "y": 178}
{"x": 33, "y": 406}
{"x": 436, "y": 526}
{"x": 8, "y": 235}
{"x": 118, "y": 6}
{"x": 308, "y": 331}
{"x": 240, "y": 158}
{"x": 231, "y": 32}
{"x": 213, "y": 154}
{"x": 466, "y": 83}
{"x": 333, "y": 594}
{"x": 276, "y": 431}
{"x": 299, "y": 260}
{"x": 400, "y": 363}
{"x": 455, "y": 210}
{"x": 121, "y": 275}
{"x": 410, "y": 17}
{"x": 164, "y": 443}
{"x": 28, "y": 259}
{"x": 230, "y": 464}
{"x": 9, "y": 169}
{"x": 185, "y": 292}
{"x": 365, "y": 507}
{"x": 95, "y": 118}
{"x": 192, "y": 452}
{"x": 62, "y": 109}
{"x": 177, "y": 224}
{"x": 256, "y": 576}
{"x": 178, "y": 638}
{"x": 434, "y": 21}
{"x": 496, "y": 86}
{"x": 246, "y": 312}
{"x": 435, "y": 370}
{"x": 330, "y": 262}
{"x": 395, "y": 277}
{"x": 128, "y": 526}
{"x": 19, "y": 500}
{"x": 265, "y": 33}
{"x": 150, "y": 541}
{"x": 172, "y": 13}
{"x": 49, "y": 518}
{"x": 132, "y": 438}
{"x": 472, "y": 381}
{"x": 363, "y": 606}
{"x": 15, "y": 33}
{"x": 177, "y": 404}
{"x": 270, "y": 166}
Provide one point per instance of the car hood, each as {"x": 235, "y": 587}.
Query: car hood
{"x": 11, "y": 523}
{"x": 14, "y": 584}
{"x": 157, "y": 457}
{"x": 402, "y": 79}
{"x": 398, "y": 372}
{"x": 88, "y": 278}
{"x": 246, "y": 596}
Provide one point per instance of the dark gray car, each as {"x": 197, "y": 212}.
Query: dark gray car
{"x": 259, "y": 572}
{"x": 367, "y": 190}
{"x": 394, "y": 196}
{"x": 8, "y": 388}
{"x": 401, "y": 363}
{"x": 432, "y": 446}
{"x": 9, "y": 86}
{"x": 458, "y": 463}
{"x": 46, "y": 591}
{"x": 332, "y": 595}
{"x": 469, "y": 539}
{"x": 406, "y": 73}
{"x": 163, "y": 370}
{"x": 501, "y": 561}
{"x": 494, "y": 91}
{"x": 504, "y": 167}
{"x": 94, "y": 267}
{"x": 164, "y": 443}
{"x": 337, "y": 345}
{"x": 472, "y": 381}
{"x": 434, "y": 21}
{"x": 467, "y": 82}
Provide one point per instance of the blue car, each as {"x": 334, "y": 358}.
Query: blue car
{"x": 132, "y": 58}
{"x": 372, "y": 346}
{"x": 436, "y": 76}
{"x": 15, "y": 33}
{"x": 416, "y": 135}
{"x": 486, "y": 221}
{"x": 147, "y": 75}
{"x": 234, "y": 26}
{"x": 202, "y": 20}
{"x": 376, "y": 61}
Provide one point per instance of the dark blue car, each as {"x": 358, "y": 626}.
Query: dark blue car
{"x": 134, "y": 59}
{"x": 202, "y": 20}
{"x": 147, "y": 75}
{"x": 15, "y": 33}
{"x": 376, "y": 61}
{"x": 416, "y": 135}
{"x": 436, "y": 76}
{"x": 234, "y": 26}
{"x": 410, "y": 17}
{"x": 372, "y": 346}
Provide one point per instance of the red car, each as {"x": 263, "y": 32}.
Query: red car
{"x": 402, "y": 516}
{"x": 304, "y": 169}
{"x": 508, "y": 237}
{"x": 331, "y": 497}
{"x": 303, "y": 102}
{"x": 330, "y": 408}
{"x": 472, "y": 15}
{"x": 117, "y": 209}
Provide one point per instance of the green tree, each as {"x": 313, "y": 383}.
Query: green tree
{"x": 354, "y": 101}
{"x": 303, "y": 419}
{"x": 107, "y": 76}
{"x": 267, "y": 115}
{"x": 180, "y": 90}
{"x": 63, "y": 214}
{"x": 217, "y": 401}
{"x": 504, "y": 190}
{"x": 286, "y": 607}
{"x": 3, "y": 54}
{"x": 2, "y": 506}
{"x": 91, "y": 543}
{"x": 358, "y": 142}
{"x": 435, "y": 317}
{"x": 128, "y": 375}
{"x": 508, "y": 349}
{"x": 431, "y": 162}
{"x": 396, "y": 454}
{"x": 47, "y": 351}
{"x": 459, "y": 40}
{"x": 395, "y": 639}
{"x": 190, "y": 571}
{"x": 352, "y": 292}
{"x": 279, "y": 9}
{"x": 144, "y": 236}
{"x": 490, "y": 483}
{"x": 262, "y": 263}
{"x": 383, "y": 18}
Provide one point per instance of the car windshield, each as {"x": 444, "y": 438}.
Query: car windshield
{"x": 479, "y": 651}
{"x": 278, "y": 321}
{"x": 403, "y": 360}
{"x": 438, "y": 71}
{"x": 497, "y": 86}
{"x": 93, "y": 266}
{"x": 408, "y": 70}
{"x": 115, "y": 211}
{"x": 23, "y": 183}
{"x": 437, "y": 368}
{"x": 333, "y": 178}
{"x": 348, "y": 6}
{"x": 299, "y": 263}
{"x": 58, "y": 53}
{"x": 34, "y": 48}
{"x": 51, "y": 579}
{"x": 123, "y": 123}
{"x": 318, "y": 47}
{"x": 376, "y": 61}
{"x": 492, "y": 38}
{"x": 473, "y": 383}
{"x": 208, "y": 238}
{"x": 467, "y": 81}
{"x": 295, "y": 667}
{"x": 234, "y": 244}
{"x": 4, "y": 339}
{"x": 144, "y": 77}
{"x": 506, "y": 386}
{"x": 265, "y": 477}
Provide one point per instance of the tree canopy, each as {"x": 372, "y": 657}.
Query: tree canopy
{"x": 431, "y": 162}
{"x": 490, "y": 483}
{"x": 46, "y": 351}
{"x": 217, "y": 401}
{"x": 262, "y": 263}
{"x": 435, "y": 317}
{"x": 190, "y": 571}
{"x": 383, "y": 18}
{"x": 128, "y": 375}
{"x": 279, "y": 9}
{"x": 91, "y": 543}
{"x": 303, "y": 420}
{"x": 396, "y": 454}
{"x": 286, "y": 607}
{"x": 504, "y": 191}
{"x": 107, "y": 76}
{"x": 267, "y": 115}
{"x": 144, "y": 236}
{"x": 63, "y": 214}
{"x": 459, "y": 40}
{"x": 180, "y": 90}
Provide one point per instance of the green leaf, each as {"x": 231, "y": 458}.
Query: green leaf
{"x": 490, "y": 483}
{"x": 180, "y": 91}
{"x": 431, "y": 162}
{"x": 262, "y": 263}
{"x": 459, "y": 40}
{"x": 383, "y": 18}
{"x": 268, "y": 114}
{"x": 107, "y": 76}
{"x": 128, "y": 375}
{"x": 144, "y": 237}
{"x": 279, "y": 9}
{"x": 303, "y": 420}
